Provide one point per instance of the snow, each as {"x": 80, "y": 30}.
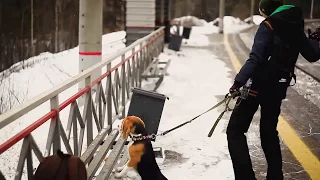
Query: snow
{"x": 257, "y": 19}
{"x": 193, "y": 154}
{"x": 231, "y": 25}
{"x": 45, "y": 71}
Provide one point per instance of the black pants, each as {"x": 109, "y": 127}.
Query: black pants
{"x": 237, "y": 143}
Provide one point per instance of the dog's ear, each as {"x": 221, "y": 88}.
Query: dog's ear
{"x": 140, "y": 121}
{"x": 125, "y": 134}
{"x": 122, "y": 125}
{"x": 126, "y": 128}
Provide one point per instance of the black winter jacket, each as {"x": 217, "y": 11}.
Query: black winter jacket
{"x": 276, "y": 48}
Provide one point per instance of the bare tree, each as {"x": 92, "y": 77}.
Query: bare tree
{"x": 57, "y": 10}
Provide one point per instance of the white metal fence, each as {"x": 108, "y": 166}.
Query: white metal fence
{"x": 76, "y": 132}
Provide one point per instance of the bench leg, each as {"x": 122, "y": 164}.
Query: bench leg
{"x": 158, "y": 83}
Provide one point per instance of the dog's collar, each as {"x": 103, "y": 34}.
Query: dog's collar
{"x": 139, "y": 137}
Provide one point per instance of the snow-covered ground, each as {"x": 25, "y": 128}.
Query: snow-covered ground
{"x": 190, "y": 153}
{"x": 200, "y": 80}
{"x": 197, "y": 156}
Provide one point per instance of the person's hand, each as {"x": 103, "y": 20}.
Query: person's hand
{"x": 235, "y": 88}
{"x": 314, "y": 35}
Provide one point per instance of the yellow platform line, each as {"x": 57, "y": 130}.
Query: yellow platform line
{"x": 298, "y": 148}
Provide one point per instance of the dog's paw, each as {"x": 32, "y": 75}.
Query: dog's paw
{"x": 119, "y": 169}
{"x": 118, "y": 175}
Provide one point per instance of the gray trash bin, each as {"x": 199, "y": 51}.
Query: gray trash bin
{"x": 175, "y": 42}
{"x": 186, "y": 32}
{"x": 148, "y": 106}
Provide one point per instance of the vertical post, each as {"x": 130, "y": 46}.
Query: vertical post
{"x": 133, "y": 67}
{"x": 141, "y": 63}
{"x": 221, "y": 15}
{"x": 187, "y": 7}
{"x": 311, "y": 10}
{"x": 88, "y": 113}
{"x": 162, "y": 12}
{"x": 168, "y": 6}
{"x": 252, "y": 11}
{"x": 109, "y": 98}
{"x": 29, "y": 163}
{"x": 54, "y": 104}
{"x": 123, "y": 86}
{"x": 90, "y": 38}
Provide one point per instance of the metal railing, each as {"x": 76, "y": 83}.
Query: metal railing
{"x": 101, "y": 108}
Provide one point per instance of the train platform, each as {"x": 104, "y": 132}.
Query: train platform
{"x": 199, "y": 76}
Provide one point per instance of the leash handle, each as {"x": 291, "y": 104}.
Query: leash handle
{"x": 225, "y": 100}
{"x": 216, "y": 123}
{"x": 225, "y": 110}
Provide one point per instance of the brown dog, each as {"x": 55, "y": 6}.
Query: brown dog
{"x": 141, "y": 154}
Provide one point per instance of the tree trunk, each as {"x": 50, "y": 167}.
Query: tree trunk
{"x": 57, "y": 26}
{"x": 311, "y": 10}
{"x": 31, "y": 42}
{"x": 21, "y": 38}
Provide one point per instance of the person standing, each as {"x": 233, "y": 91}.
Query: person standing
{"x": 267, "y": 74}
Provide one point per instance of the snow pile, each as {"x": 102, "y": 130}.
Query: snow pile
{"x": 189, "y": 21}
{"x": 16, "y": 81}
{"x": 231, "y": 25}
{"x": 257, "y": 19}
{"x": 228, "y": 21}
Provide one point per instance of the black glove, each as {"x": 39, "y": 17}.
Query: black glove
{"x": 315, "y": 35}
{"x": 235, "y": 88}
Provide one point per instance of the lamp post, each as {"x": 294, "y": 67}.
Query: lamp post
{"x": 221, "y": 15}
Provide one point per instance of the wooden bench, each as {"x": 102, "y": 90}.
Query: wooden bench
{"x": 154, "y": 70}
{"x": 103, "y": 146}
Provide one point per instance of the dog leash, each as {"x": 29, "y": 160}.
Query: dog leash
{"x": 226, "y": 100}
{"x": 227, "y": 108}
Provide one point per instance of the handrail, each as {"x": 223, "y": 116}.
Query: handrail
{"x": 15, "y": 113}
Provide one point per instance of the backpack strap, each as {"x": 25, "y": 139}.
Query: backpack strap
{"x": 294, "y": 77}
{"x": 268, "y": 24}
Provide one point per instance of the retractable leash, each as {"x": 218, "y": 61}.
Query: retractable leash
{"x": 243, "y": 94}
{"x": 226, "y": 100}
{"x": 227, "y": 108}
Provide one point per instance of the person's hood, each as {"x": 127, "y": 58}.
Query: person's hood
{"x": 287, "y": 20}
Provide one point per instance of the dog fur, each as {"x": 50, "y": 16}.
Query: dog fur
{"x": 142, "y": 158}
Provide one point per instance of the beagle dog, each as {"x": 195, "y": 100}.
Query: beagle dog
{"x": 141, "y": 154}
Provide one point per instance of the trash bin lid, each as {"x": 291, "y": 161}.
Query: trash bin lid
{"x": 149, "y": 93}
